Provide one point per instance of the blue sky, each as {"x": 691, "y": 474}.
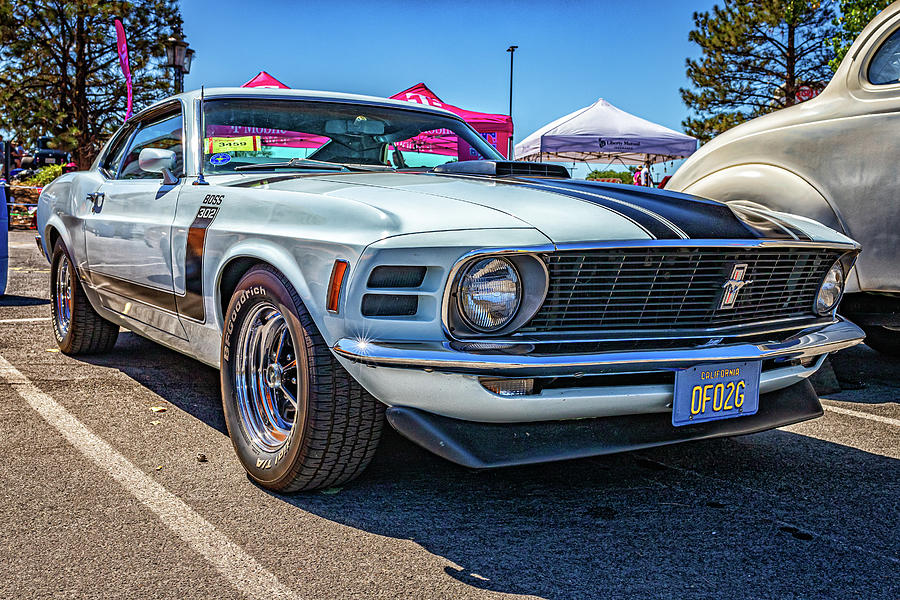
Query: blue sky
{"x": 570, "y": 52}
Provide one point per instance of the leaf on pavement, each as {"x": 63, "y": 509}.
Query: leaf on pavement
{"x": 158, "y": 409}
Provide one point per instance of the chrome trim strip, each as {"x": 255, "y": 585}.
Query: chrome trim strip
{"x": 621, "y": 335}
{"x": 711, "y": 243}
{"x": 441, "y": 357}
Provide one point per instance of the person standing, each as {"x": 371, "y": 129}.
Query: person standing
{"x": 646, "y": 181}
{"x": 17, "y": 151}
{"x": 636, "y": 178}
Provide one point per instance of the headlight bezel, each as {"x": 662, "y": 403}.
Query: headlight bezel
{"x": 460, "y": 294}
{"x": 837, "y": 267}
{"x": 534, "y": 281}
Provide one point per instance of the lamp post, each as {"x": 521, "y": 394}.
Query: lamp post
{"x": 179, "y": 57}
{"x": 512, "y": 51}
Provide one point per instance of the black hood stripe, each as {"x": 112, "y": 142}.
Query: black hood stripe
{"x": 635, "y": 218}
{"x": 696, "y": 217}
{"x": 656, "y": 225}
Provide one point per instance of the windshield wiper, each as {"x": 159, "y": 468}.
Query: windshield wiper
{"x": 307, "y": 163}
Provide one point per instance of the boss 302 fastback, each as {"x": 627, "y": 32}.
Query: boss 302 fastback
{"x": 341, "y": 259}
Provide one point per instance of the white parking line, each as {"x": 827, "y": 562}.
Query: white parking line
{"x": 24, "y": 320}
{"x": 862, "y": 415}
{"x": 241, "y": 569}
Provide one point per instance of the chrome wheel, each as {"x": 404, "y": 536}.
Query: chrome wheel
{"x": 266, "y": 381}
{"x": 62, "y": 289}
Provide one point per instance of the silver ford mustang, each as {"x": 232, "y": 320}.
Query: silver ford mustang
{"x": 345, "y": 258}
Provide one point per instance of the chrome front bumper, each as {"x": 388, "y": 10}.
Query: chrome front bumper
{"x": 442, "y": 357}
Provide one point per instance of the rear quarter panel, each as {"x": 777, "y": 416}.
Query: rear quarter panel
{"x": 60, "y": 207}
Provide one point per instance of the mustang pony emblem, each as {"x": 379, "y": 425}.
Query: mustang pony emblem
{"x": 734, "y": 285}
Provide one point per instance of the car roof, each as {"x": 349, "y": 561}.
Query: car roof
{"x": 313, "y": 95}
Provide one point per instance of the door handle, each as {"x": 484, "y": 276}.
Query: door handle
{"x": 96, "y": 198}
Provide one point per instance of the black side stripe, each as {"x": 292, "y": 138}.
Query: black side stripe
{"x": 191, "y": 304}
{"x": 156, "y": 297}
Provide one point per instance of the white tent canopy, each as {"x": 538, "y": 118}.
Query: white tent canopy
{"x": 603, "y": 133}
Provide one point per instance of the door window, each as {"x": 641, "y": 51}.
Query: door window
{"x": 113, "y": 158}
{"x": 162, "y": 132}
{"x": 885, "y": 66}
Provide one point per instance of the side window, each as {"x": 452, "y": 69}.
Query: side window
{"x": 114, "y": 156}
{"x": 885, "y": 66}
{"x": 164, "y": 133}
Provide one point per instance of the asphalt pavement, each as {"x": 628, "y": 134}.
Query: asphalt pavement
{"x": 104, "y": 495}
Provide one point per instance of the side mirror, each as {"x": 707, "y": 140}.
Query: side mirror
{"x": 157, "y": 160}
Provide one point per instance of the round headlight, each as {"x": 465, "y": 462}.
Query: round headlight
{"x": 831, "y": 289}
{"x": 489, "y": 294}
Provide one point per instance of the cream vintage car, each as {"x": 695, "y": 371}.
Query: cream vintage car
{"x": 339, "y": 259}
{"x": 830, "y": 159}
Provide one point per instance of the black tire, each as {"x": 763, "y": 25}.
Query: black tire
{"x": 882, "y": 339}
{"x": 337, "y": 424}
{"x": 82, "y": 331}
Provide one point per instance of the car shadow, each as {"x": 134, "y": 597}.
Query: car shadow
{"x": 759, "y": 516}
{"x": 16, "y": 300}
{"x": 859, "y": 368}
{"x": 184, "y": 382}
{"x": 776, "y": 514}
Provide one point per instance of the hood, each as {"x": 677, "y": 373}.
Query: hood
{"x": 564, "y": 210}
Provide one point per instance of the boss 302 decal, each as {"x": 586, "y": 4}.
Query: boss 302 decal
{"x": 191, "y": 304}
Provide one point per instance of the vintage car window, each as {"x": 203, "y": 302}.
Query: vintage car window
{"x": 885, "y": 66}
{"x": 242, "y": 132}
{"x": 113, "y": 157}
{"x": 163, "y": 132}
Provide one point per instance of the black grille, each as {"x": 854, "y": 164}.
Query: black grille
{"x": 389, "y": 305}
{"x": 396, "y": 277}
{"x": 673, "y": 289}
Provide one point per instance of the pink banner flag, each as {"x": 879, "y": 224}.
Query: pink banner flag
{"x": 122, "y": 47}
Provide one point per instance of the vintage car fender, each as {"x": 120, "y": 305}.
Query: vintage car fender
{"x": 261, "y": 251}
{"x": 774, "y": 188}
{"x": 54, "y": 214}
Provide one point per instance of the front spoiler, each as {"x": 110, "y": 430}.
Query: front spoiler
{"x": 488, "y": 445}
{"x": 441, "y": 356}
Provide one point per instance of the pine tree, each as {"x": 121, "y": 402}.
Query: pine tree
{"x": 59, "y": 71}
{"x": 756, "y": 55}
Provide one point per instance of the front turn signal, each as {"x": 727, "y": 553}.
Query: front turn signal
{"x": 335, "y": 285}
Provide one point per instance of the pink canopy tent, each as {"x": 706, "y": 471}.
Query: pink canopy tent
{"x": 264, "y": 80}
{"x": 495, "y": 129}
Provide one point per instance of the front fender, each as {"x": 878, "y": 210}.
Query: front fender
{"x": 261, "y": 251}
{"x": 316, "y": 268}
{"x": 773, "y": 187}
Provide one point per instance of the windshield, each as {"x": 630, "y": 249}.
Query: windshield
{"x": 259, "y": 134}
